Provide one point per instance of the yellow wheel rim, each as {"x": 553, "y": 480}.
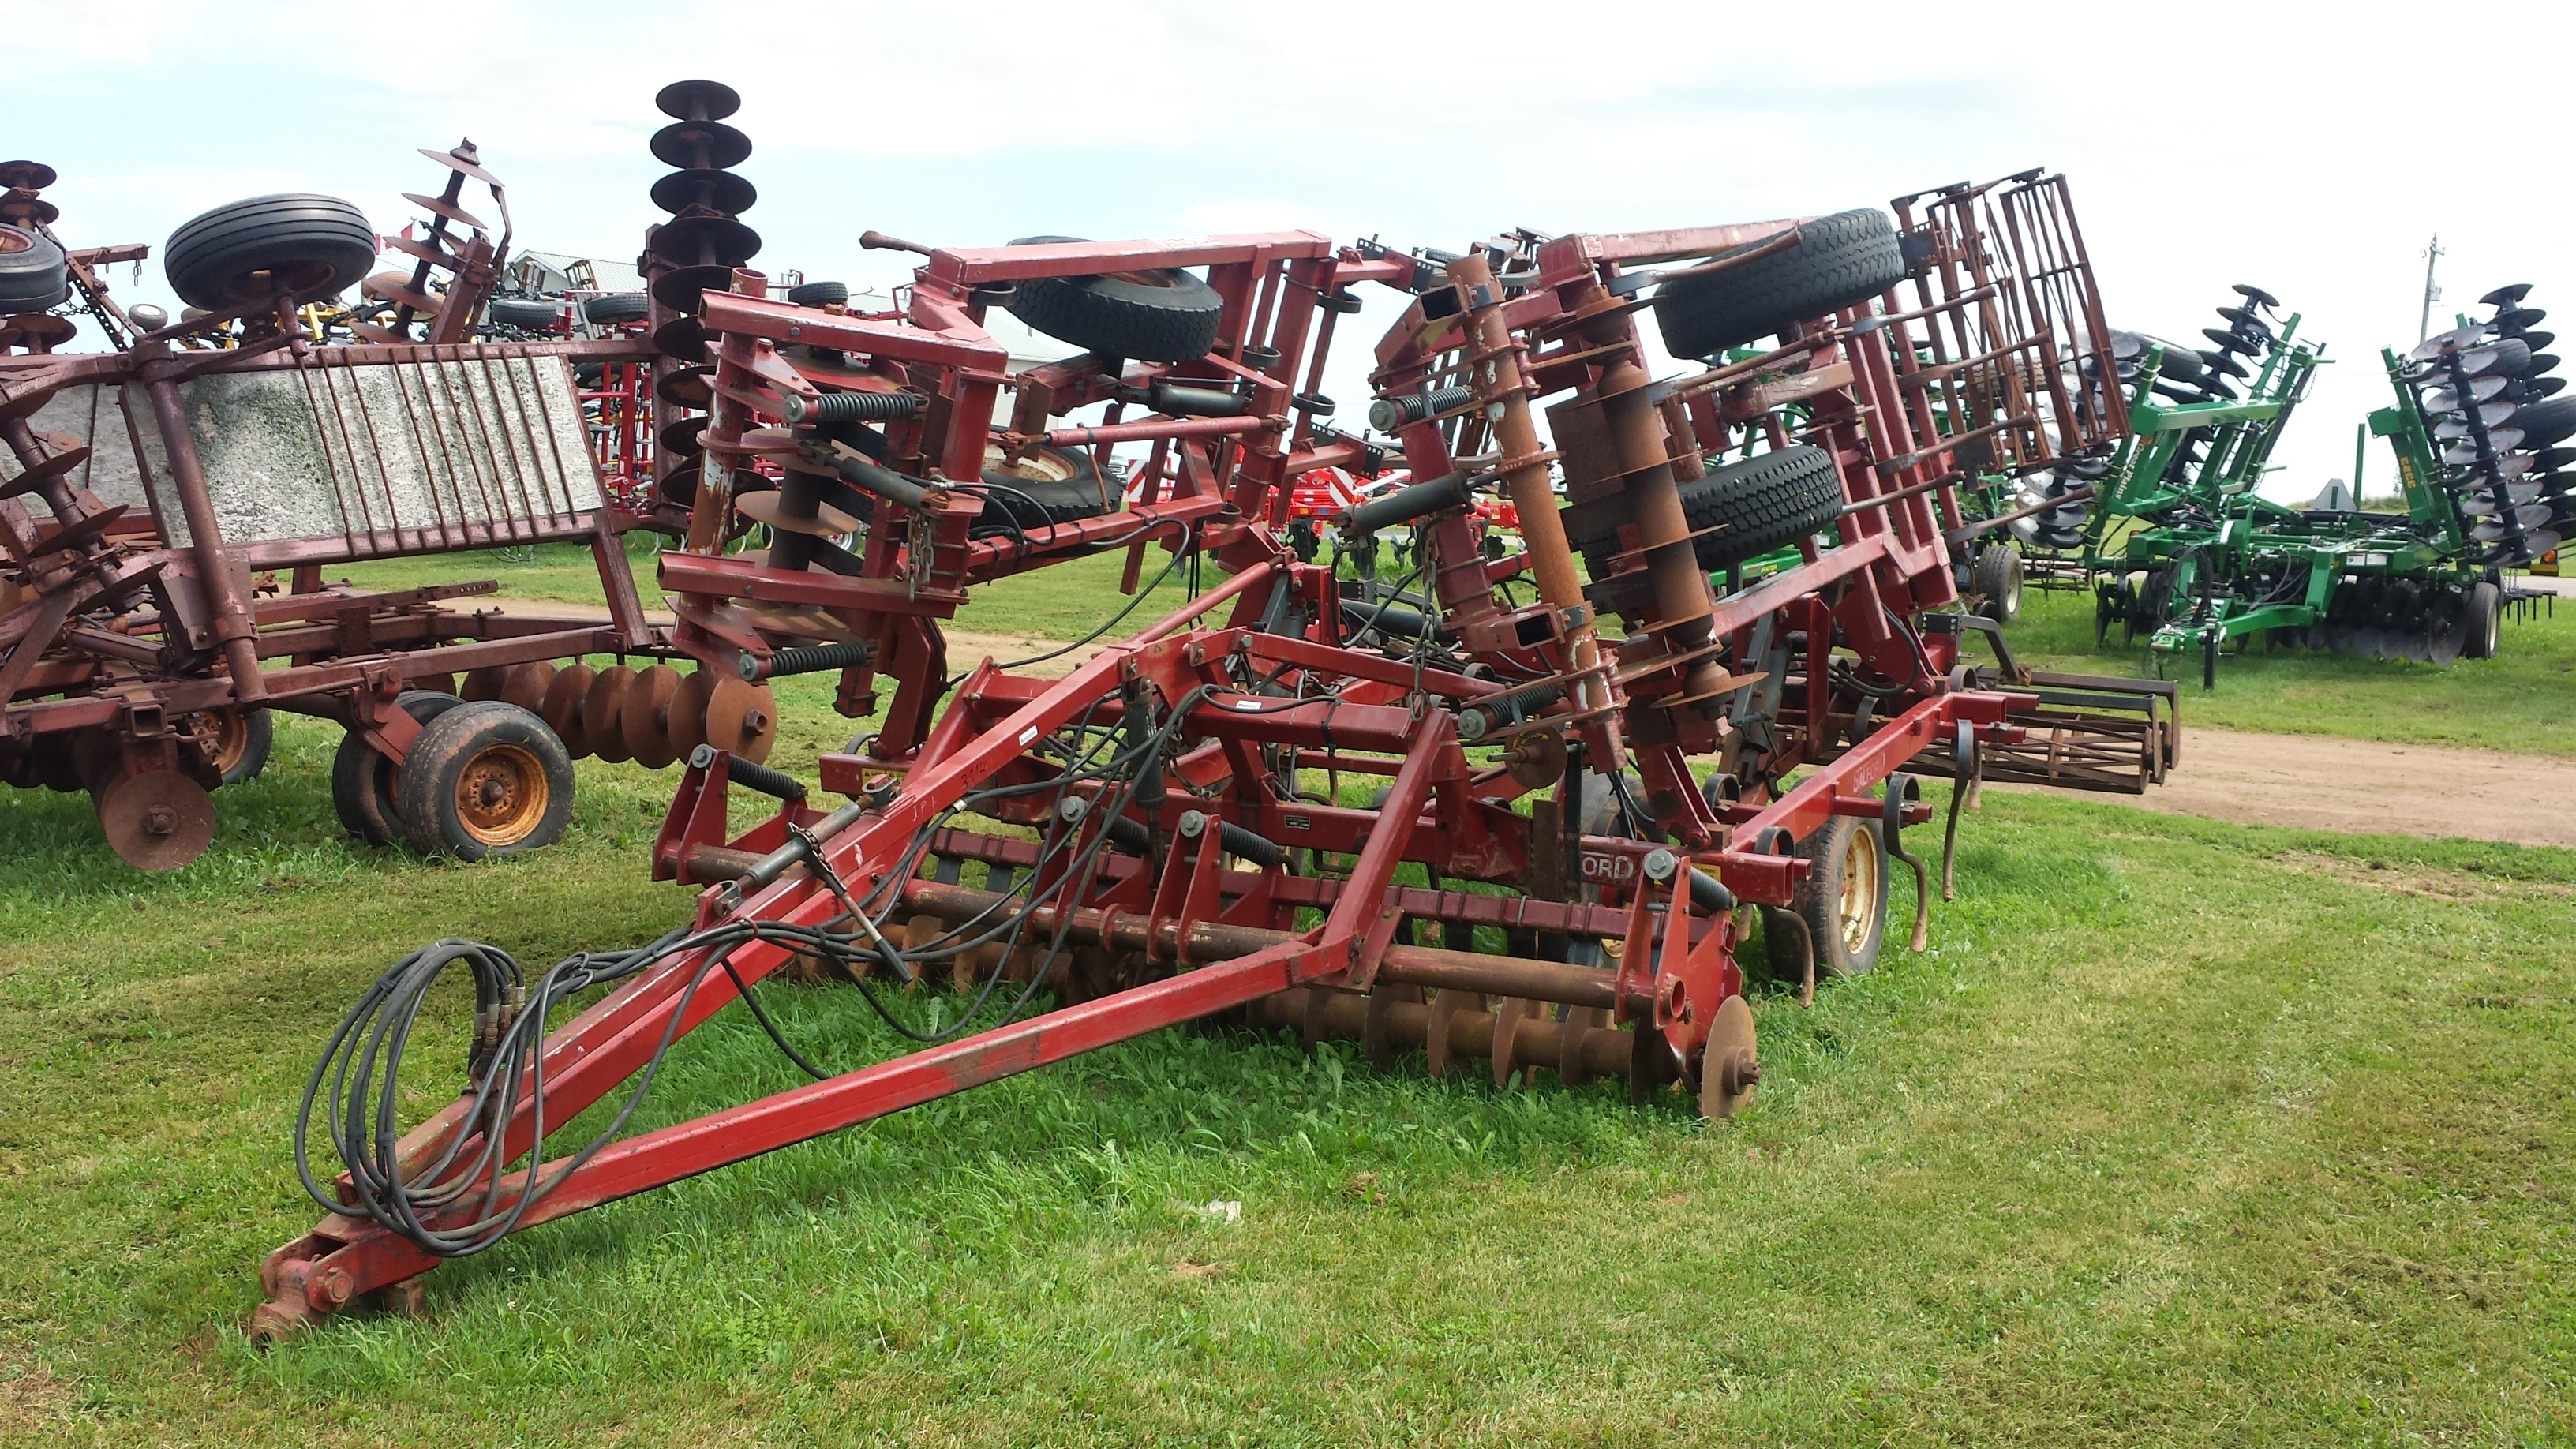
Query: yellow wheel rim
{"x": 502, "y": 795}
{"x": 1859, "y": 904}
{"x": 232, "y": 739}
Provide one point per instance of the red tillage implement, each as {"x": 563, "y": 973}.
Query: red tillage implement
{"x": 1167, "y": 833}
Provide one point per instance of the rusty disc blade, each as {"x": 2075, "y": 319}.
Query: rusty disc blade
{"x": 484, "y": 683}
{"x": 770, "y": 508}
{"x": 1728, "y": 1071}
{"x": 680, "y": 439}
{"x": 742, "y": 718}
{"x": 525, "y": 685}
{"x": 682, "y": 338}
{"x": 459, "y": 164}
{"x": 26, "y": 175}
{"x": 563, "y": 705}
{"x": 686, "y": 387}
{"x": 1536, "y": 759}
{"x": 688, "y": 712}
{"x": 603, "y": 711}
{"x": 440, "y": 206}
{"x": 645, "y": 720}
{"x": 156, "y": 820}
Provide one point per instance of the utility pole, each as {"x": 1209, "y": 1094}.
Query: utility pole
{"x": 2432, "y": 294}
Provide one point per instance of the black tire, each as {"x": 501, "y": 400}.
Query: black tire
{"x": 318, "y": 245}
{"x": 1166, "y": 315}
{"x": 483, "y": 781}
{"x": 613, "y": 307}
{"x": 362, "y": 781}
{"x": 1840, "y": 261}
{"x": 527, "y": 315}
{"x": 1998, "y": 581}
{"x": 1763, "y": 502}
{"x": 33, "y": 275}
{"x": 2181, "y": 364}
{"x": 1050, "y": 486}
{"x": 244, "y": 739}
{"x": 819, "y": 294}
{"x": 1844, "y": 843}
{"x": 2546, "y": 422}
{"x": 2480, "y": 616}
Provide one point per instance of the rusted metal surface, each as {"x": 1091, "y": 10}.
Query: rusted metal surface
{"x": 1220, "y": 862}
{"x": 156, "y": 485}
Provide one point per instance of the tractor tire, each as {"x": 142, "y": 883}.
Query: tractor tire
{"x": 2480, "y": 615}
{"x": 528, "y": 315}
{"x": 2181, "y": 364}
{"x": 819, "y": 294}
{"x": 2545, "y": 423}
{"x": 1843, "y": 900}
{"x": 483, "y": 781}
{"x": 1840, "y": 261}
{"x": 316, "y": 245}
{"x": 1757, "y": 504}
{"x": 362, "y": 780}
{"x": 1165, "y": 315}
{"x": 1050, "y": 486}
{"x": 1997, "y": 577}
{"x": 611, "y": 308}
{"x": 33, "y": 275}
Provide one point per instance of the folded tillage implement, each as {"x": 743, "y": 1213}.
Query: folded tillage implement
{"x": 1258, "y": 805}
{"x": 160, "y": 489}
{"x": 2180, "y": 547}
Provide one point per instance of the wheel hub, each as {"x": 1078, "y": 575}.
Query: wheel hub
{"x": 501, "y": 795}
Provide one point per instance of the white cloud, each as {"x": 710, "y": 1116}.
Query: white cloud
{"x": 2290, "y": 146}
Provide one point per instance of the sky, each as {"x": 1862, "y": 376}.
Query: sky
{"x": 2298, "y": 148}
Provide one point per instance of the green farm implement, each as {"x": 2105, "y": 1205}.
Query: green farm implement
{"x": 2179, "y": 545}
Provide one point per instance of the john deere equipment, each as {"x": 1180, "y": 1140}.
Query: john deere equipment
{"x": 2179, "y": 546}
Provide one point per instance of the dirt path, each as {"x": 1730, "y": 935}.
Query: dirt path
{"x": 2320, "y": 783}
{"x": 2310, "y": 781}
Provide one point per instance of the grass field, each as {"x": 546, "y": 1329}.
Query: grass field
{"x": 2515, "y": 701}
{"x": 2180, "y": 1133}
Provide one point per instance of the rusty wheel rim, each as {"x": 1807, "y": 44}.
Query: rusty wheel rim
{"x": 232, "y": 739}
{"x": 502, "y": 794}
{"x": 1858, "y": 906}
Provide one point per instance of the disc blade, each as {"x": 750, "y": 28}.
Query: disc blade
{"x": 2441, "y": 342}
{"x": 2256, "y": 295}
{"x": 2510, "y": 295}
{"x": 2443, "y": 400}
{"x": 707, "y": 187}
{"x": 693, "y": 100}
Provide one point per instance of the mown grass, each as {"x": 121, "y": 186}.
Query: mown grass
{"x": 2182, "y": 1132}
{"x": 2515, "y": 701}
